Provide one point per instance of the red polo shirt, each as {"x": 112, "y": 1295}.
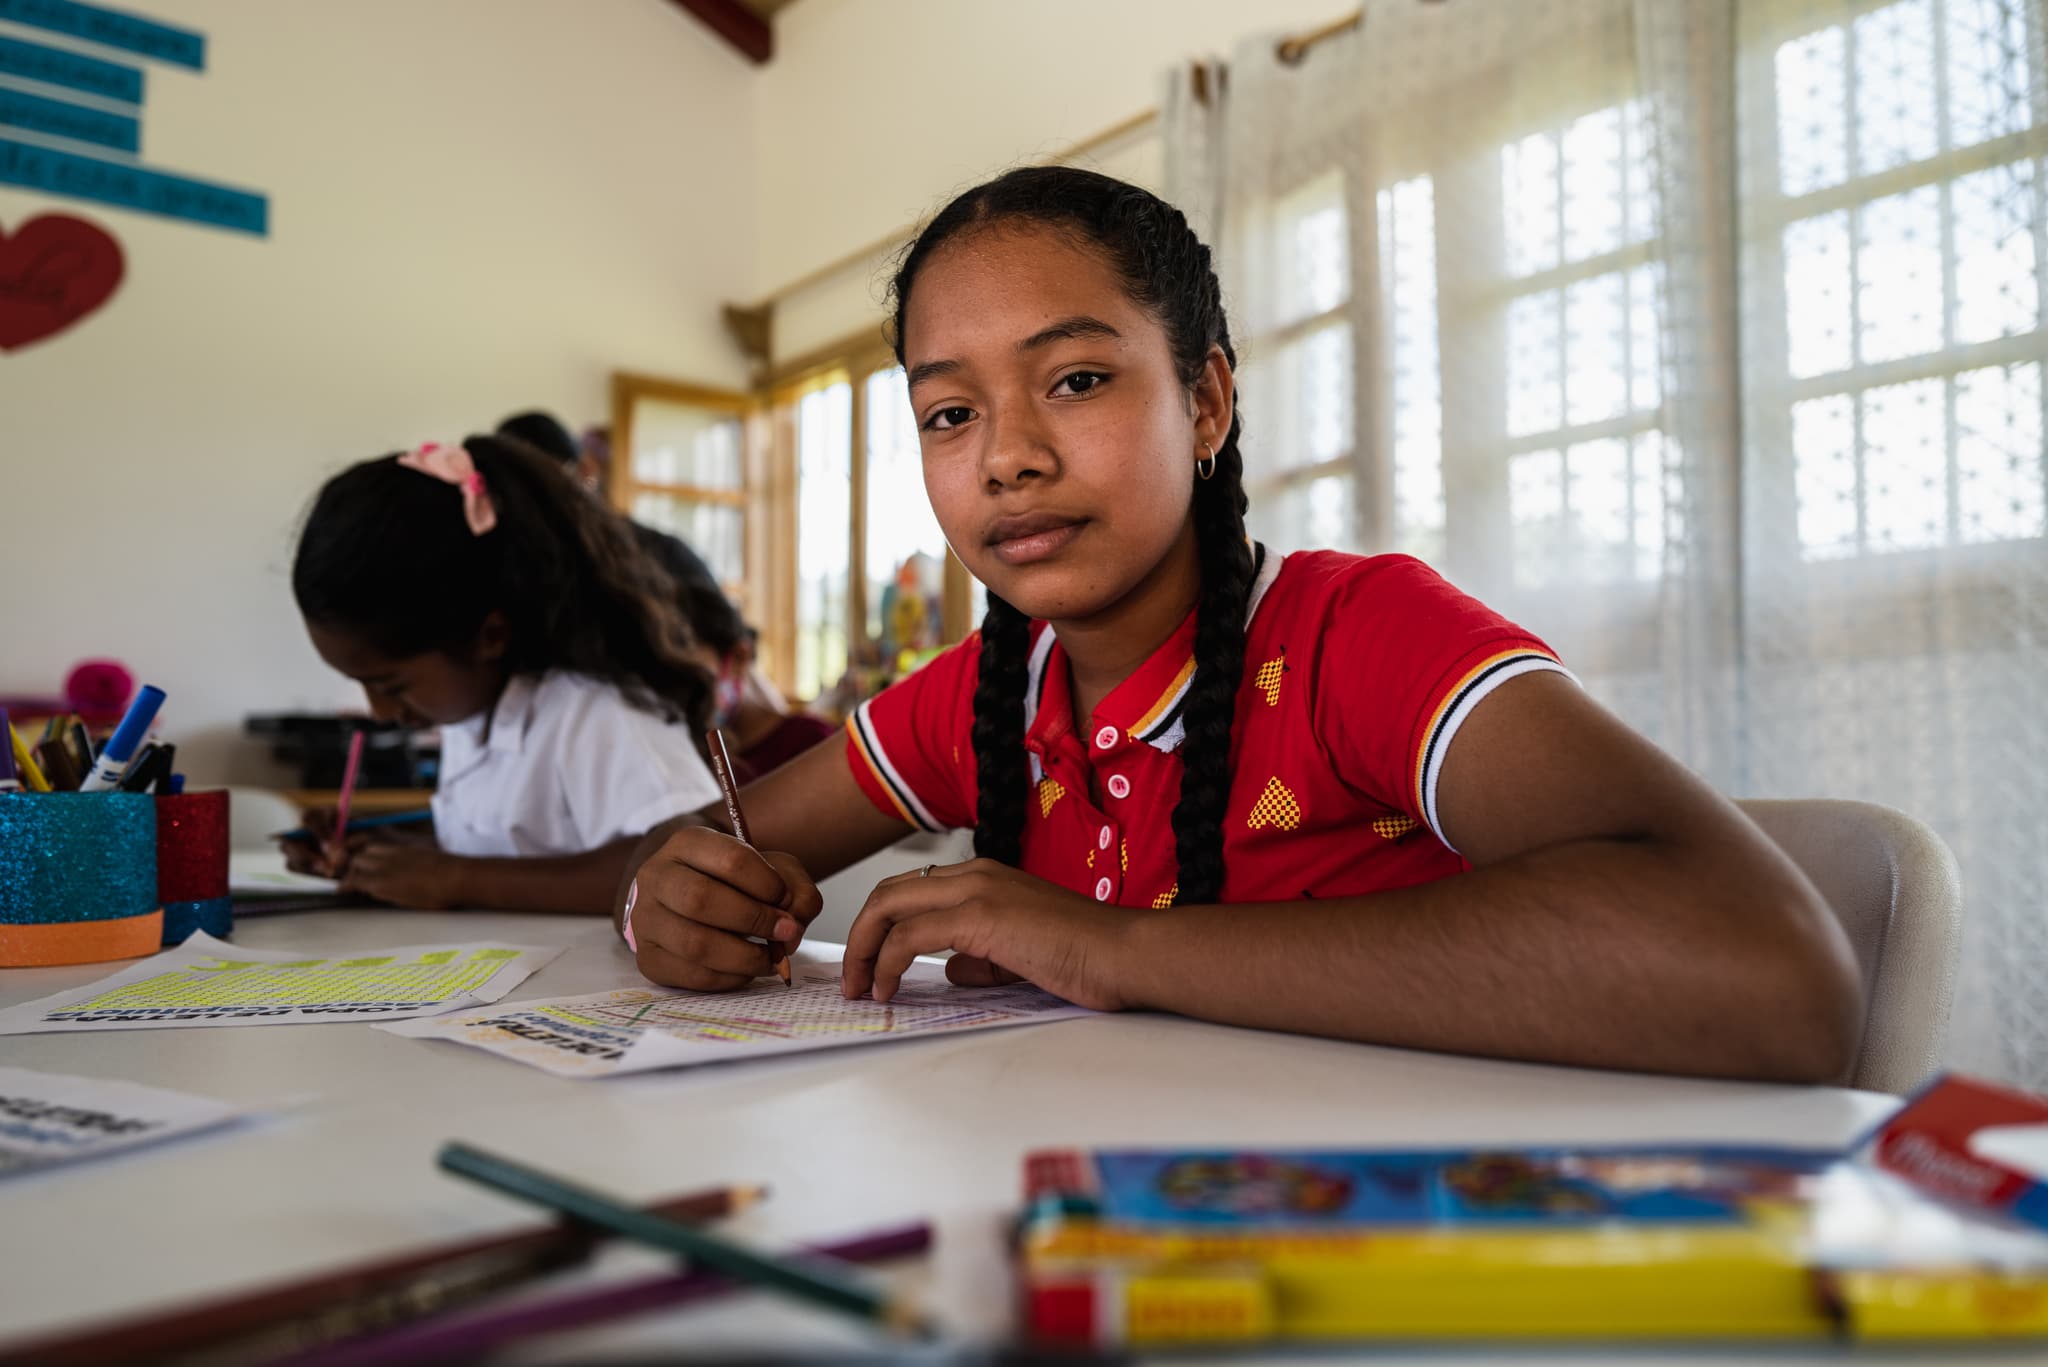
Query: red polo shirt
{"x": 1358, "y": 672}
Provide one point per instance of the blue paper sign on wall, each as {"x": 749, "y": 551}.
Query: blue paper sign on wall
{"x": 132, "y": 187}
{"x": 61, "y": 119}
{"x": 27, "y": 161}
{"x": 110, "y": 28}
{"x": 72, "y": 70}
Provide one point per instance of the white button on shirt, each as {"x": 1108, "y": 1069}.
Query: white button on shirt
{"x": 567, "y": 765}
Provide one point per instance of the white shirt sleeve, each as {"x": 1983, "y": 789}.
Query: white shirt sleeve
{"x": 625, "y": 771}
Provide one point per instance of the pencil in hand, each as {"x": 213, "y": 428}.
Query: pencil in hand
{"x": 337, "y": 843}
{"x": 721, "y": 768}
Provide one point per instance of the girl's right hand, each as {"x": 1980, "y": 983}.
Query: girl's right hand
{"x": 314, "y": 853}
{"x": 697, "y": 907}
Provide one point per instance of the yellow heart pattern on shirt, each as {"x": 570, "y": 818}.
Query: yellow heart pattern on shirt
{"x": 1091, "y": 859}
{"x": 1165, "y": 899}
{"x": 1393, "y": 827}
{"x": 1050, "y": 791}
{"x": 1267, "y": 680}
{"x": 1275, "y": 807}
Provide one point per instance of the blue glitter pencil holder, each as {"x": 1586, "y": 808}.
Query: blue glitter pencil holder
{"x": 77, "y": 878}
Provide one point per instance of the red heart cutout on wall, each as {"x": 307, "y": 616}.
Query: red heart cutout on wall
{"x": 53, "y": 272}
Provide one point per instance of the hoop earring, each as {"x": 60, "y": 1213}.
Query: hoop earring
{"x": 1205, "y": 468}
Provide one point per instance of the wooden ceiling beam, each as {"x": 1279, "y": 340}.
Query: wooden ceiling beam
{"x": 749, "y": 33}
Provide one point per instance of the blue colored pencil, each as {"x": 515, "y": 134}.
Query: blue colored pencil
{"x": 810, "y": 1281}
{"x": 363, "y": 823}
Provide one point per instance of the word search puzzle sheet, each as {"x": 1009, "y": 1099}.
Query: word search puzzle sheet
{"x": 638, "y": 1029}
{"x": 210, "y": 982}
{"x": 48, "y": 1118}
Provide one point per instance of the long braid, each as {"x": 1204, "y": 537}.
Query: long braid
{"x": 999, "y": 733}
{"x": 1165, "y": 268}
{"x": 1219, "y": 668}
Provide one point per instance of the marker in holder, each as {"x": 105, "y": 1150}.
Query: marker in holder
{"x": 77, "y": 878}
{"x": 192, "y": 865}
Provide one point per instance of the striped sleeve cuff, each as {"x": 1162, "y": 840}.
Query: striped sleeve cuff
{"x": 1456, "y": 705}
{"x": 879, "y": 778}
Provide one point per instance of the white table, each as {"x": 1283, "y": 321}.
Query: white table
{"x": 849, "y": 1140}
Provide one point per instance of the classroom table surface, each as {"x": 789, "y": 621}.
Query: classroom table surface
{"x": 341, "y": 1165}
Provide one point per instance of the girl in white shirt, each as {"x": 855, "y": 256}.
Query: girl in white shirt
{"x": 468, "y": 587}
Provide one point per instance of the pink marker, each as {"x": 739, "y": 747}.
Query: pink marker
{"x": 338, "y": 846}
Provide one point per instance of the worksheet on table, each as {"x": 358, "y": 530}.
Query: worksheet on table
{"x": 49, "y": 1118}
{"x": 638, "y": 1029}
{"x": 206, "y": 981}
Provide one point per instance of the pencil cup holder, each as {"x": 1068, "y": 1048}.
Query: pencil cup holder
{"x": 192, "y": 865}
{"x": 77, "y": 878}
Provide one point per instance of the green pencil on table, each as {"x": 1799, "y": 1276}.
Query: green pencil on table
{"x": 805, "y": 1281}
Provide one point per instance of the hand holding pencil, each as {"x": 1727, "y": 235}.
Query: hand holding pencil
{"x": 728, "y": 787}
{"x": 710, "y": 912}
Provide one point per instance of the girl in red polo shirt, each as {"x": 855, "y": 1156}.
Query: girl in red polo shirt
{"x": 1314, "y": 792}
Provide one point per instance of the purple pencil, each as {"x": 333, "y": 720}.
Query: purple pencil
{"x": 471, "y": 1335}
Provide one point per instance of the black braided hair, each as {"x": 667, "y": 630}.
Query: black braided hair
{"x": 999, "y": 733}
{"x": 386, "y": 555}
{"x": 1166, "y": 270}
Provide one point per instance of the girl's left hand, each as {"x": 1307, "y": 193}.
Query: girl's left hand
{"x": 422, "y": 877}
{"x": 1003, "y": 926}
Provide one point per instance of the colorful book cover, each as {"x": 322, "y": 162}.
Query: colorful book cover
{"x": 1150, "y": 1247}
{"x": 1334, "y": 1189}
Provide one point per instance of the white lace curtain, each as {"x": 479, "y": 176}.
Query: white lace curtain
{"x": 1706, "y": 340}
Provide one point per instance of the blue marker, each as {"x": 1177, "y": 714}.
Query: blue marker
{"x": 113, "y": 761}
{"x": 9, "y": 781}
{"x": 363, "y": 823}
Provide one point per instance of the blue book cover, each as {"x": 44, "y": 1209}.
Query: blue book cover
{"x": 1298, "y": 1189}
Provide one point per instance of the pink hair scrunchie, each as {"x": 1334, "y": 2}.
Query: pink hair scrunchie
{"x": 452, "y": 465}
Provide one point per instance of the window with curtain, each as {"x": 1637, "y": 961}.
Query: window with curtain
{"x": 1297, "y": 380}
{"x": 1707, "y": 341}
{"x": 1582, "y": 448}
{"x": 1509, "y": 284}
{"x": 1889, "y": 213}
{"x": 1895, "y": 222}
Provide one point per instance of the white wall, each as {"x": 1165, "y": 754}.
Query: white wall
{"x": 476, "y": 206}
{"x": 875, "y": 111}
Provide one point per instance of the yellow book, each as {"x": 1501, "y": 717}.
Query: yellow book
{"x": 1154, "y": 1248}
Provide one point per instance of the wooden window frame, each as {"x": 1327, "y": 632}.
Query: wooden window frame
{"x": 854, "y": 359}
{"x": 622, "y": 486}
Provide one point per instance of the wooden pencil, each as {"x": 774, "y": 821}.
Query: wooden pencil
{"x": 465, "y": 1338}
{"x": 813, "y": 1282}
{"x": 721, "y": 768}
{"x": 358, "y": 1299}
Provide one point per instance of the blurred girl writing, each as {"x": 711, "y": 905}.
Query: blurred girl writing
{"x": 473, "y": 588}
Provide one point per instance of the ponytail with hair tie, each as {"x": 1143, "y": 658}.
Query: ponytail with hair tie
{"x": 412, "y": 565}
{"x": 452, "y": 465}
